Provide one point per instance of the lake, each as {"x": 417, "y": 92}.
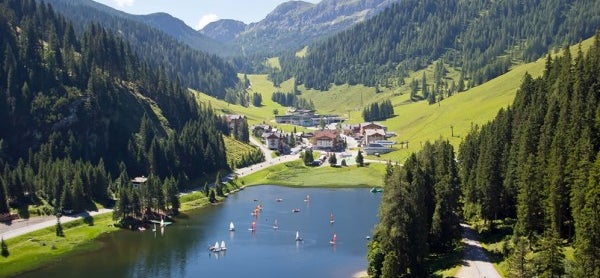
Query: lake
{"x": 181, "y": 250}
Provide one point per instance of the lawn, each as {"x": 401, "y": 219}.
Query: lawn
{"x": 297, "y": 175}
{"x": 43, "y": 246}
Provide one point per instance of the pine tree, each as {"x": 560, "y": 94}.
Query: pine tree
{"x": 518, "y": 264}
{"x": 360, "y": 160}
{"x": 332, "y": 160}
{"x": 3, "y": 201}
{"x": 4, "y": 248}
{"x": 587, "y": 227}
{"x": 550, "y": 259}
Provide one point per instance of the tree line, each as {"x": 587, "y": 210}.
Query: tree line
{"x": 378, "y": 111}
{"x": 291, "y": 99}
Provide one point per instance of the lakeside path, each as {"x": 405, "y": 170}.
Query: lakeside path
{"x": 23, "y": 226}
{"x": 475, "y": 261}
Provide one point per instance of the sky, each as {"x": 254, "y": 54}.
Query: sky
{"x": 198, "y": 13}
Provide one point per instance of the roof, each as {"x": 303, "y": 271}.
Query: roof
{"x": 329, "y": 134}
{"x": 371, "y": 132}
{"x": 234, "y": 117}
{"x": 141, "y": 179}
{"x": 372, "y": 124}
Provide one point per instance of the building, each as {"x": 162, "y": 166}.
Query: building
{"x": 374, "y": 135}
{"x": 275, "y": 140}
{"x": 304, "y": 117}
{"x": 138, "y": 181}
{"x": 328, "y": 140}
{"x": 234, "y": 121}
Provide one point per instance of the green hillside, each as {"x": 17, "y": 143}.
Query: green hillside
{"x": 415, "y": 122}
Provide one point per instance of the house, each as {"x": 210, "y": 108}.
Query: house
{"x": 374, "y": 135}
{"x": 275, "y": 140}
{"x": 367, "y": 126}
{"x": 138, "y": 181}
{"x": 260, "y": 129}
{"x": 234, "y": 121}
{"x": 328, "y": 140}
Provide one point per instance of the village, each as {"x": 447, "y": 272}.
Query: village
{"x": 326, "y": 135}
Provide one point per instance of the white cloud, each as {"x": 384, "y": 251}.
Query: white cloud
{"x": 205, "y": 20}
{"x": 123, "y": 3}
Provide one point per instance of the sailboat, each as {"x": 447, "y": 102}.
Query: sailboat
{"x": 331, "y": 219}
{"x": 275, "y": 226}
{"x": 216, "y": 247}
{"x": 333, "y": 240}
{"x": 223, "y": 248}
{"x": 253, "y": 226}
{"x": 298, "y": 238}
{"x": 231, "y": 227}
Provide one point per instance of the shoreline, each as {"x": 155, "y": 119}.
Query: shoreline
{"x": 360, "y": 274}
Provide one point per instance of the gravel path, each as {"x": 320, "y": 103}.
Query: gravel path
{"x": 23, "y": 226}
{"x": 475, "y": 262}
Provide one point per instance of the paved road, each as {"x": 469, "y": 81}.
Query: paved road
{"x": 266, "y": 151}
{"x": 475, "y": 263}
{"x": 24, "y": 226}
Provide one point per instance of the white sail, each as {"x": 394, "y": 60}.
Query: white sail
{"x": 223, "y": 245}
{"x": 231, "y": 226}
{"x": 216, "y": 247}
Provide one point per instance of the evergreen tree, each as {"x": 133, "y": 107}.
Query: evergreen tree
{"x": 587, "y": 240}
{"x": 550, "y": 259}
{"x": 3, "y": 201}
{"x": 360, "y": 160}
{"x": 332, "y": 160}
{"x": 59, "y": 229}
{"x": 4, "y": 248}
{"x": 212, "y": 198}
{"x": 518, "y": 264}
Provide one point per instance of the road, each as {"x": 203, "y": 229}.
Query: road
{"x": 24, "y": 226}
{"x": 475, "y": 261}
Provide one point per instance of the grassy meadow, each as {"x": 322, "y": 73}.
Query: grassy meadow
{"x": 295, "y": 174}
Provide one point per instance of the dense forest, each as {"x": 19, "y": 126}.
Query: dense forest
{"x": 482, "y": 38}
{"x": 538, "y": 162}
{"x": 80, "y": 114}
{"x": 194, "y": 69}
{"x": 419, "y": 213}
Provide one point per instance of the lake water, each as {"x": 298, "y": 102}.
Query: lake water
{"x": 182, "y": 250}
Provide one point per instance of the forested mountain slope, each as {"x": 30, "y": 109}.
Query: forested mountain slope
{"x": 194, "y": 68}
{"x": 80, "y": 114}
{"x": 483, "y": 38}
{"x": 538, "y": 161}
{"x": 534, "y": 169}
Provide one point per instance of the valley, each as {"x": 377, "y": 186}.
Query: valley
{"x": 478, "y": 113}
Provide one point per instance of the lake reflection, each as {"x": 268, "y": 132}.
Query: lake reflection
{"x": 182, "y": 250}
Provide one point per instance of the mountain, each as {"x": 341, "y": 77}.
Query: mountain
{"x": 184, "y": 33}
{"x": 295, "y": 24}
{"x": 194, "y": 69}
{"x": 412, "y": 34}
{"x": 224, "y": 30}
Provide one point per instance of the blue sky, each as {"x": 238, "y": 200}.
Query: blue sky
{"x": 197, "y": 13}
